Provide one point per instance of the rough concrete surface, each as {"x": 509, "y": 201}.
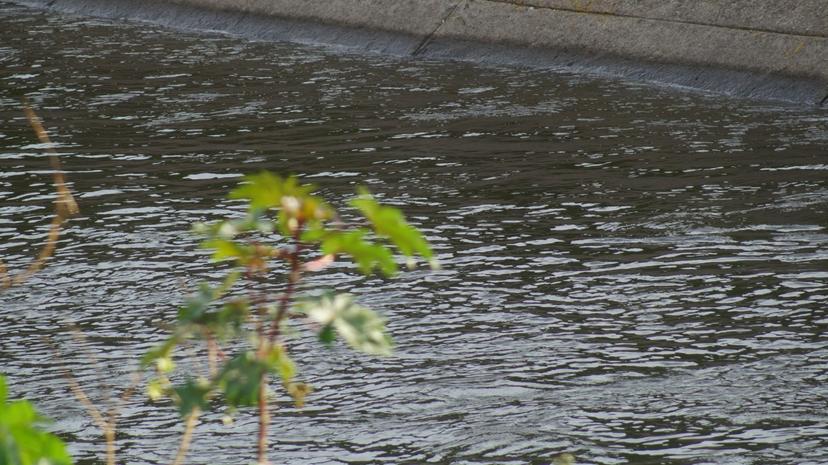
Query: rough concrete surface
{"x": 766, "y": 49}
{"x": 804, "y": 17}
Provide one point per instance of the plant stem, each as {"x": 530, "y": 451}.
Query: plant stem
{"x": 106, "y": 423}
{"x": 265, "y": 343}
{"x": 107, "y": 428}
{"x": 293, "y": 279}
{"x": 186, "y": 438}
{"x": 212, "y": 356}
{"x": 109, "y": 434}
{"x": 264, "y": 420}
{"x": 65, "y": 207}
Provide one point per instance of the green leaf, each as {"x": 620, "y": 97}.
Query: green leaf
{"x": 196, "y": 317}
{"x": 197, "y": 304}
{"x": 240, "y": 380}
{"x": 327, "y": 335}
{"x": 279, "y": 362}
{"x": 362, "y": 328}
{"x": 263, "y": 190}
{"x": 22, "y": 442}
{"x": 192, "y": 396}
{"x": 365, "y": 254}
{"x": 390, "y": 223}
{"x": 228, "y": 321}
{"x": 224, "y": 249}
{"x": 296, "y": 201}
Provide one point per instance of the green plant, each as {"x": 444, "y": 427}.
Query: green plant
{"x": 22, "y": 442}
{"x": 246, "y": 334}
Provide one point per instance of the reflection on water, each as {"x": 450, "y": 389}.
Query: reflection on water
{"x": 631, "y": 274}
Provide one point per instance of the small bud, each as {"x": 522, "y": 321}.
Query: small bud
{"x": 291, "y": 204}
{"x": 165, "y": 364}
{"x": 564, "y": 459}
{"x": 227, "y": 230}
{"x": 155, "y": 391}
{"x": 434, "y": 264}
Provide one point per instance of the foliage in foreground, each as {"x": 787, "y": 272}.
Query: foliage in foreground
{"x": 22, "y": 442}
{"x": 289, "y": 229}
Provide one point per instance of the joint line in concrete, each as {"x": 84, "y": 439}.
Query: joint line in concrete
{"x": 427, "y": 39}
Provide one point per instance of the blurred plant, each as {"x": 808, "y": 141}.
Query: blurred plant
{"x": 245, "y": 335}
{"x": 22, "y": 442}
{"x": 288, "y": 223}
{"x": 564, "y": 459}
{"x": 104, "y": 411}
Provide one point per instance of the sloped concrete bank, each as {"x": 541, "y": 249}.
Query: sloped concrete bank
{"x": 765, "y": 49}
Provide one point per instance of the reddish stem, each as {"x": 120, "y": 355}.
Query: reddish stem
{"x": 284, "y": 304}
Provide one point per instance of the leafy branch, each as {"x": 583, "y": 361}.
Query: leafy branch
{"x": 286, "y": 222}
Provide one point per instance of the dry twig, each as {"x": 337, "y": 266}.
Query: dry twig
{"x": 65, "y": 208}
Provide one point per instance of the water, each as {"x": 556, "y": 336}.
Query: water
{"x": 631, "y": 274}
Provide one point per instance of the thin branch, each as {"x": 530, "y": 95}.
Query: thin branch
{"x": 106, "y": 421}
{"x": 65, "y": 208}
{"x": 65, "y": 205}
{"x": 264, "y": 421}
{"x": 82, "y": 342}
{"x": 5, "y": 279}
{"x": 186, "y": 438}
{"x": 212, "y": 356}
{"x": 293, "y": 279}
{"x": 115, "y": 411}
{"x": 104, "y": 424}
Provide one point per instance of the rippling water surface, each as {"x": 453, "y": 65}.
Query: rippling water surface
{"x": 631, "y": 274}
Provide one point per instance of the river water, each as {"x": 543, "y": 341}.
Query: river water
{"x": 632, "y": 274}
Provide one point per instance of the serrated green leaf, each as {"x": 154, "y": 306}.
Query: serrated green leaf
{"x": 224, "y": 249}
{"x": 22, "y": 442}
{"x": 296, "y": 201}
{"x": 279, "y": 362}
{"x": 365, "y": 254}
{"x": 264, "y": 190}
{"x": 240, "y": 380}
{"x": 192, "y": 396}
{"x": 390, "y": 223}
{"x": 196, "y": 316}
{"x": 362, "y": 328}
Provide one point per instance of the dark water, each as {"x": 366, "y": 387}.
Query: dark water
{"x": 631, "y": 274}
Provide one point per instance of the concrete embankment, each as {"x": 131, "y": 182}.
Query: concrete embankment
{"x": 766, "y": 49}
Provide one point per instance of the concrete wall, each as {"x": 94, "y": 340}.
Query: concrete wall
{"x": 770, "y": 49}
